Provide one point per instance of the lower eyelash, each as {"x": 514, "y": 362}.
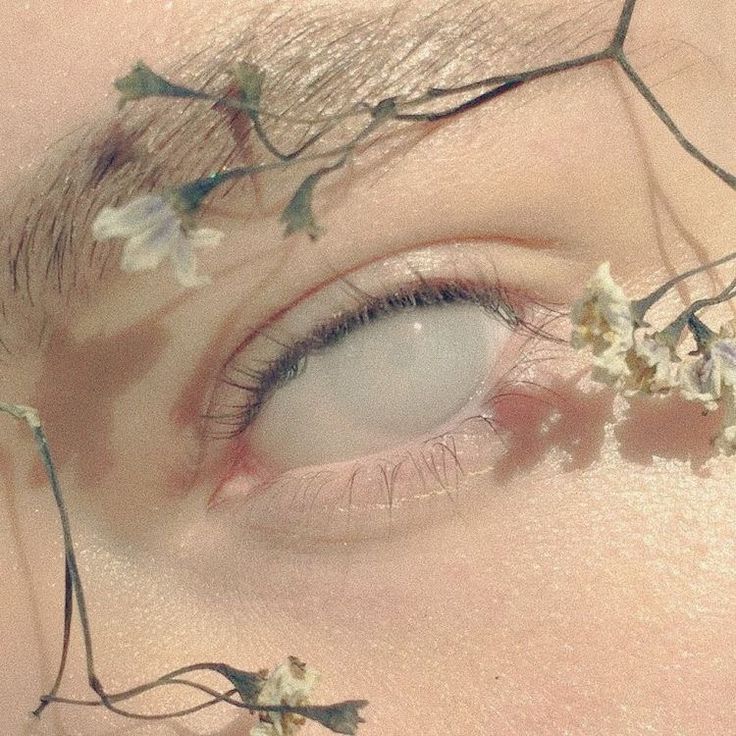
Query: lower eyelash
{"x": 390, "y": 494}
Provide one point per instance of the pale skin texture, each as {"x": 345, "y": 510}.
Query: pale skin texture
{"x": 595, "y": 594}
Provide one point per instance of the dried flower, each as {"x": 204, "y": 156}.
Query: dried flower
{"x": 653, "y": 367}
{"x": 143, "y": 82}
{"x": 155, "y": 231}
{"x": 298, "y": 214}
{"x": 602, "y": 319}
{"x": 711, "y": 379}
{"x": 339, "y": 717}
{"x": 290, "y": 683}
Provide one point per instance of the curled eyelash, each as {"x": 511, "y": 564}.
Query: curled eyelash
{"x": 259, "y": 382}
{"x": 396, "y": 491}
{"x": 388, "y": 495}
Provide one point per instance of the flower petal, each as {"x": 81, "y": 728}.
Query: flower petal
{"x": 204, "y": 237}
{"x": 603, "y": 321}
{"x": 185, "y": 263}
{"x": 147, "y": 251}
{"x": 139, "y": 256}
{"x": 140, "y": 214}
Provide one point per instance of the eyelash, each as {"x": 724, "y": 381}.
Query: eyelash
{"x": 367, "y": 497}
{"x": 264, "y": 381}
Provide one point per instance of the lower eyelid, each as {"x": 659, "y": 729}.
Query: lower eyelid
{"x": 389, "y": 493}
{"x": 425, "y": 482}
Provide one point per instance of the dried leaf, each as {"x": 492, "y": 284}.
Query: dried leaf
{"x": 249, "y": 81}
{"x": 338, "y": 717}
{"x": 298, "y": 214}
{"x": 142, "y": 82}
{"x": 248, "y": 684}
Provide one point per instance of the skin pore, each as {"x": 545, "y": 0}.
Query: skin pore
{"x": 580, "y": 580}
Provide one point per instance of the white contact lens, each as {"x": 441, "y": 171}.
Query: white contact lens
{"x": 395, "y": 379}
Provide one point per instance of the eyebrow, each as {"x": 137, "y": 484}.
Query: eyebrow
{"x": 316, "y": 62}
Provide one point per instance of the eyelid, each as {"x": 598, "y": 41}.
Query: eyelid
{"x": 392, "y": 491}
{"x": 469, "y": 266}
{"x": 259, "y": 383}
{"x": 226, "y": 460}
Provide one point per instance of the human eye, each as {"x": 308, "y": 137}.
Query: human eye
{"x": 363, "y": 409}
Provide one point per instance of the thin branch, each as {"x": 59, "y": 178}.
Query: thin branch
{"x": 643, "y": 305}
{"x": 68, "y": 610}
{"x": 274, "y": 151}
{"x": 71, "y": 561}
{"x": 674, "y": 329}
{"x": 524, "y": 76}
{"x": 664, "y": 116}
{"x": 463, "y": 107}
{"x": 218, "y": 698}
{"x": 622, "y": 30}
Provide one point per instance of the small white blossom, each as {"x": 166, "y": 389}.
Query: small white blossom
{"x": 154, "y": 231}
{"x": 711, "y": 380}
{"x": 653, "y": 367}
{"x": 291, "y": 683}
{"x": 700, "y": 381}
{"x": 602, "y": 319}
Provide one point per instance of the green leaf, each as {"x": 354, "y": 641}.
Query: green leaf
{"x": 142, "y": 82}
{"x": 298, "y": 214}
{"x": 249, "y": 80}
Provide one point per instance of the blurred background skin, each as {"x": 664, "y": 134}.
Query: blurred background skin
{"x": 591, "y": 595}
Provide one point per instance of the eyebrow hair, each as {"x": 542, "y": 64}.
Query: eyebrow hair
{"x": 316, "y": 61}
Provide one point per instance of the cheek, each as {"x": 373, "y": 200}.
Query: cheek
{"x": 590, "y": 600}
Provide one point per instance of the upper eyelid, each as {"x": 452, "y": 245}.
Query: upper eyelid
{"x": 47, "y": 233}
{"x": 370, "y": 308}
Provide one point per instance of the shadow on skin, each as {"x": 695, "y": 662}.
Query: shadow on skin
{"x": 79, "y": 387}
{"x": 560, "y": 417}
{"x": 565, "y": 418}
{"x": 667, "y": 427}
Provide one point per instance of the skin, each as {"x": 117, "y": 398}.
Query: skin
{"x": 588, "y": 586}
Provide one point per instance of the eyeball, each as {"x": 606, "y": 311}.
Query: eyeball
{"x": 388, "y": 382}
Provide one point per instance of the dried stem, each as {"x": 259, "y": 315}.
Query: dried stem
{"x": 143, "y": 82}
{"x": 402, "y": 109}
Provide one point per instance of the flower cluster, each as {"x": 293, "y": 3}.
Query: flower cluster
{"x": 291, "y": 683}
{"x": 633, "y": 359}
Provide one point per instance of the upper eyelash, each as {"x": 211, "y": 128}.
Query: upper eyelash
{"x": 263, "y": 382}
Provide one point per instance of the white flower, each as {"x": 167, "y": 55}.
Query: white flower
{"x": 711, "y": 379}
{"x": 290, "y": 683}
{"x": 700, "y": 381}
{"x": 602, "y": 319}
{"x": 653, "y": 367}
{"x": 154, "y": 231}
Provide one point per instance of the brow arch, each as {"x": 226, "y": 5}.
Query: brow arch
{"x": 316, "y": 60}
